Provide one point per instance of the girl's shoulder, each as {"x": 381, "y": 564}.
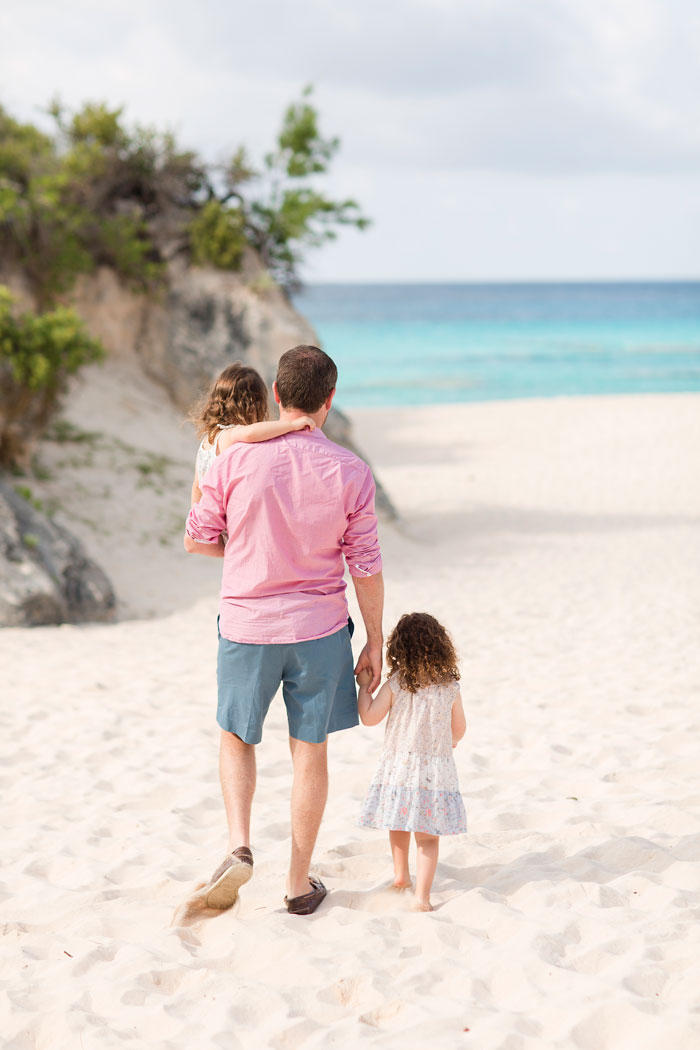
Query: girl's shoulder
{"x": 394, "y": 683}
{"x": 441, "y": 690}
{"x": 444, "y": 691}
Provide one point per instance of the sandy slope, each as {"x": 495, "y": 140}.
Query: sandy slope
{"x": 559, "y": 540}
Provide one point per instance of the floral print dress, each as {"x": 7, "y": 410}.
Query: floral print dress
{"x": 416, "y": 786}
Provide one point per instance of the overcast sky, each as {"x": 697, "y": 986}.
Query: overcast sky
{"x": 487, "y": 139}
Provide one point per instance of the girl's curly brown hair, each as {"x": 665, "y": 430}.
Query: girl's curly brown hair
{"x": 239, "y": 395}
{"x": 421, "y": 652}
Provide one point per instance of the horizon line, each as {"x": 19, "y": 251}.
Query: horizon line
{"x": 363, "y": 282}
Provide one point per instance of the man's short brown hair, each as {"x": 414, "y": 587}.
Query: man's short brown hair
{"x": 305, "y": 378}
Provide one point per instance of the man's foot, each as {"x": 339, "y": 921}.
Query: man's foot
{"x": 419, "y": 905}
{"x": 221, "y": 892}
{"x": 307, "y": 903}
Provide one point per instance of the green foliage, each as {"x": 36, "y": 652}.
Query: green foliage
{"x": 291, "y": 215}
{"x": 301, "y": 150}
{"x": 93, "y": 125}
{"x": 41, "y": 350}
{"x": 38, "y": 227}
{"x": 124, "y": 244}
{"x": 23, "y": 150}
{"x": 24, "y": 492}
{"x": 63, "y": 432}
{"x": 89, "y": 196}
{"x": 217, "y": 236}
{"x": 38, "y": 352}
{"x": 99, "y": 193}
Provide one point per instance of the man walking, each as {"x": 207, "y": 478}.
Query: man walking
{"x": 294, "y": 508}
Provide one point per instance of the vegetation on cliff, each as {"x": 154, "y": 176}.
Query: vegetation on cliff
{"x": 38, "y": 352}
{"x": 98, "y": 193}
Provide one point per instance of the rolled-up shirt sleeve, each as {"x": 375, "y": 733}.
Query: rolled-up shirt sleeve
{"x": 360, "y": 542}
{"x": 207, "y": 519}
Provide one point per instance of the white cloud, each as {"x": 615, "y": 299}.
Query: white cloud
{"x": 451, "y": 226}
{"x": 560, "y": 100}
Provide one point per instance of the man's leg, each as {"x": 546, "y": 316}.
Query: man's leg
{"x": 309, "y": 793}
{"x": 237, "y": 776}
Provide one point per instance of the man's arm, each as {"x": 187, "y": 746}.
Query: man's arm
{"x": 211, "y": 550}
{"x": 364, "y": 561}
{"x": 207, "y": 517}
{"x": 370, "y": 598}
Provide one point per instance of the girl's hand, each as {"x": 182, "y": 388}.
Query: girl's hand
{"x": 364, "y": 678}
{"x": 303, "y": 423}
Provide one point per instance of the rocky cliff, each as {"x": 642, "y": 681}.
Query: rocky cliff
{"x": 179, "y": 338}
{"x": 203, "y": 320}
{"x": 45, "y": 574}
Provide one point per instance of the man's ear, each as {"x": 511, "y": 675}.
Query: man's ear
{"x": 329, "y": 400}
{"x": 276, "y": 392}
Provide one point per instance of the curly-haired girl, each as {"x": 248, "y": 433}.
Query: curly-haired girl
{"x": 415, "y": 788}
{"x": 235, "y": 409}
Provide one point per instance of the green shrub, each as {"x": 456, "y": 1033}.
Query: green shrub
{"x": 99, "y": 193}
{"x": 38, "y": 352}
{"x": 217, "y": 236}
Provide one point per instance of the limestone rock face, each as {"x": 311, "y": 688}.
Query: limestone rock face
{"x": 204, "y": 320}
{"x": 45, "y": 576}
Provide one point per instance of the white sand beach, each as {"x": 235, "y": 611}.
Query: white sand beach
{"x": 559, "y": 540}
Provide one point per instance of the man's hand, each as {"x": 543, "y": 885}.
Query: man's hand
{"x": 370, "y": 660}
{"x": 303, "y": 423}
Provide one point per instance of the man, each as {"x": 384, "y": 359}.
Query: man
{"x": 293, "y": 508}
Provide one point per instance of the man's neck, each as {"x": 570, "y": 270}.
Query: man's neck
{"x": 288, "y": 415}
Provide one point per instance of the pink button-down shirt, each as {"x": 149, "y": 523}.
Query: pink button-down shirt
{"x": 293, "y": 507}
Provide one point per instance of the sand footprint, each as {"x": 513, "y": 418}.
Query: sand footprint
{"x": 194, "y": 909}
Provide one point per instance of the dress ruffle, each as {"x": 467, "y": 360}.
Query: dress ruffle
{"x": 397, "y": 808}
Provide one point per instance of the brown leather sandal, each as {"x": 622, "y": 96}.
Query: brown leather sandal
{"x": 307, "y": 902}
{"x": 222, "y": 889}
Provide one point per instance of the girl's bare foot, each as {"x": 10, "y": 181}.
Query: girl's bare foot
{"x": 398, "y": 885}
{"x": 419, "y": 905}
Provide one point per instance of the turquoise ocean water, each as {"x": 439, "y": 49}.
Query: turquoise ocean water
{"x": 417, "y": 344}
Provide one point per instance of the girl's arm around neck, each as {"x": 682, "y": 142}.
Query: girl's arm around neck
{"x": 459, "y": 722}
{"x": 254, "y": 432}
{"x": 372, "y": 709}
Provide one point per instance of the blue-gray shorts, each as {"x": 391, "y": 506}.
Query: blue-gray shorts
{"x": 318, "y": 686}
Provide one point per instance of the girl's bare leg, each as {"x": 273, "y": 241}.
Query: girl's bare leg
{"x": 426, "y": 863}
{"x": 400, "y": 842}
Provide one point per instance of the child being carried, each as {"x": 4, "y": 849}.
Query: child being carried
{"x": 235, "y": 409}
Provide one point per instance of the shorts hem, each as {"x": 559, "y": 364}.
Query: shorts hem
{"x": 241, "y": 736}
